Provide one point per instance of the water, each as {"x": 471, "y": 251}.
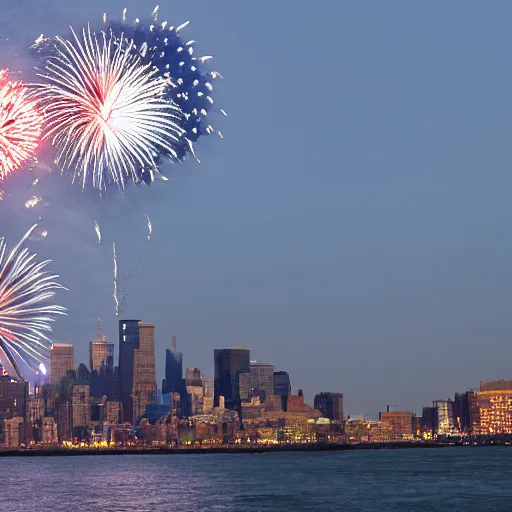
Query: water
{"x": 389, "y": 480}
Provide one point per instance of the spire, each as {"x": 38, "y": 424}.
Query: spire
{"x": 101, "y": 336}
{"x": 174, "y": 344}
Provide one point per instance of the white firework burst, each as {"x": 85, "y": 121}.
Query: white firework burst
{"x": 26, "y": 312}
{"x": 106, "y": 112}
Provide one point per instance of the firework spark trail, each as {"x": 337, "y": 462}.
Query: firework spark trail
{"x": 132, "y": 271}
{"x": 98, "y": 231}
{"x": 116, "y": 301}
{"x": 106, "y": 111}
{"x": 20, "y": 125}
{"x": 190, "y": 84}
{"x": 150, "y": 228}
{"x": 26, "y": 312}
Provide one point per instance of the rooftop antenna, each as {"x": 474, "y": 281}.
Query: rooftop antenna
{"x": 174, "y": 337}
{"x": 101, "y": 336}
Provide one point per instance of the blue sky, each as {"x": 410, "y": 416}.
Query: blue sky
{"x": 353, "y": 227}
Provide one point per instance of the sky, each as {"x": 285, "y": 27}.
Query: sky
{"x": 354, "y": 225}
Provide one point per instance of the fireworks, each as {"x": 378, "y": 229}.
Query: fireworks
{"x": 25, "y": 313}
{"x": 190, "y": 85}
{"x": 106, "y": 111}
{"x": 20, "y": 125}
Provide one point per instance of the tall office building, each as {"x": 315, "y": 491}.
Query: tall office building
{"x": 194, "y": 377}
{"x": 144, "y": 376}
{"x": 128, "y": 343}
{"x": 262, "y": 379}
{"x": 229, "y": 363}
{"x": 101, "y": 353}
{"x": 173, "y": 382}
{"x": 136, "y": 367}
{"x": 81, "y": 406}
{"x": 282, "y": 384}
{"x": 62, "y": 359}
{"x": 331, "y": 405}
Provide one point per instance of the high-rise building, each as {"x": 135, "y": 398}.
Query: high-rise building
{"x": 208, "y": 388}
{"x": 445, "y": 418}
{"x": 282, "y": 384}
{"x": 229, "y": 363}
{"x": 194, "y": 377}
{"x": 330, "y": 405}
{"x": 144, "y": 376}
{"x": 245, "y": 386}
{"x": 101, "y": 353}
{"x": 262, "y": 379}
{"x": 13, "y": 403}
{"x": 81, "y": 406}
{"x": 128, "y": 343}
{"x": 62, "y": 360}
{"x": 173, "y": 382}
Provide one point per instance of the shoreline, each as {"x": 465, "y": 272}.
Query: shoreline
{"x": 65, "y": 452}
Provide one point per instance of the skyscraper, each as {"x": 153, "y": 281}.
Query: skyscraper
{"x": 128, "y": 343}
{"x": 144, "y": 377}
{"x": 331, "y": 405}
{"x": 101, "y": 353}
{"x": 229, "y": 363}
{"x": 262, "y": 379}
{"x": 62, "y": 359}
{"x": 194, "y": 377}
{"x": 282, "y": 384}
{"x": 173, "y": 382}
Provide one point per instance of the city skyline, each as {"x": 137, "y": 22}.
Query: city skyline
{"x": 374, "y": 236}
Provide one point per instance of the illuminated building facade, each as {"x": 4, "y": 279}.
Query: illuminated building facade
{"x": 445, "y": 417}
{"x": 399, "y": 423}
{"x": 262, "y": 379}
{"x": 81, "y": 406}
{"x": 244, "y": 386}
{"x": 14, "y": 432}
{"x": 144, "y": 374}
{"x": 50, "y": 434}
{"x": 101, "y": 356}
{"x": 495, "y": 407}
{"x": 62, "y": 360}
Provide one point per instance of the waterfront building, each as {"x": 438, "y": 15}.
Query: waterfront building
{"x": 494, "y": 402}
{"x": 50, "y": 433}
{"x": 330, "y": 405}
{"x": 445, "y": 417}
{"x": 14, "y": 432}
{"x": 399, "y": 423}
{"x": 62, "y": 360}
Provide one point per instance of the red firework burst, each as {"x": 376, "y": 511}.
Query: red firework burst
{"x": 21, "y": 125}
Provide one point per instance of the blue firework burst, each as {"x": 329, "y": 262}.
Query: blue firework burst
{"x": 191, "y": 83}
